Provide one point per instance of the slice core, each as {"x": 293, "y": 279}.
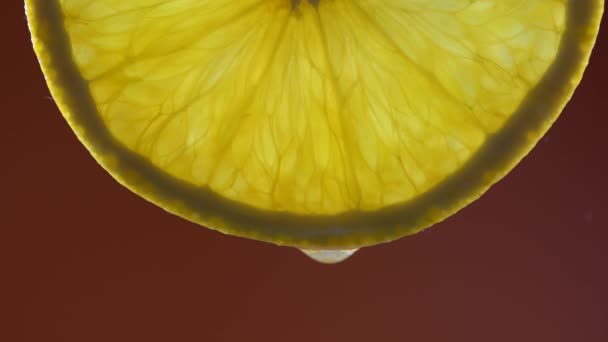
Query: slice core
{"x": 323, "y": 109}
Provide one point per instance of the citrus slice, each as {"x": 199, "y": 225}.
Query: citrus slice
{"x": 316, "y": 124}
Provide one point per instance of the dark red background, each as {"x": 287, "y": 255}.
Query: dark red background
{"x": 90, "y": 261}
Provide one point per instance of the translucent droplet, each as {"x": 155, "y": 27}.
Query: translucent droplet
{"x": 329, "y": 256}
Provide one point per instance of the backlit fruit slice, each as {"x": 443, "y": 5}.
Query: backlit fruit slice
{"x": 315, "y": 124}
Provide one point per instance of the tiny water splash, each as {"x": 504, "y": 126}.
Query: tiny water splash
{"x": 329, "y": 256}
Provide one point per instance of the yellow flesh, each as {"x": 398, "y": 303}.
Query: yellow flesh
{"x": 348, "y": 105}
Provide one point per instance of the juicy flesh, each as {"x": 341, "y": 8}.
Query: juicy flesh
{"x": 315, "y": 107}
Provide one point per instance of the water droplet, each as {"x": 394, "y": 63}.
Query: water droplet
{"x": 329, "y": 256}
